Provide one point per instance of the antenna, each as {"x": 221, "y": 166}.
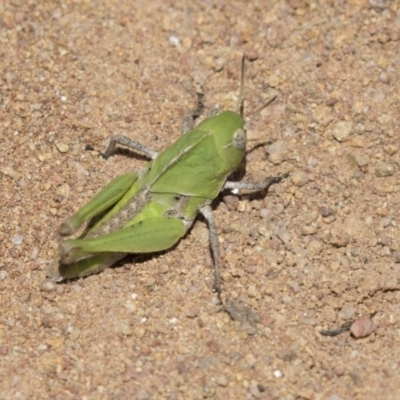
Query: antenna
{"x": 259, "y": 109}
{"x": 239, "y": 104}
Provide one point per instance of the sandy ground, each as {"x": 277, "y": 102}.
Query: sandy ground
{"x": 319, "y": 249}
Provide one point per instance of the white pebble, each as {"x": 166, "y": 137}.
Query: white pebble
{"x": 17, "y": 239}
{"x": 174, "y": 40}
{"x": 278, "y": 373}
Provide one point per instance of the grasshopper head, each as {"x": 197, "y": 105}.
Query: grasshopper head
{"x": 232, "y": 139}
{"x": 229, "y": 135}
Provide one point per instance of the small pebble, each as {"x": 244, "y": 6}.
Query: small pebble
{"x": 347, "y": 312}
{"x": 299, "y": 178}
{"x": 277, "y": 152}
{"x": 334, "y": 397}
{"x": 241, "y": 206}
{"x": 391, "y": 149}
{"x": 362, "y": 327}
{"x": 342, "y": 130}
{"x": 331, "y": 101}
{"x": 124, "y": 328}
{"x": 384, "y": 77}
{"x": 308, "y": 230}
{"x": 360, "y": 158}
{"x": 80, "y": 169}
{"x": 380, "y": 4}
{"x": 385, "y": 222}
{"x": 34, "y": 253}
{"x": 192, "y": 312}
{"x": 139, "y": 331}
{"x": 252, "y": 291}
{"x": 359, "y": 129}
{"x": 62, "y": 147}
{"x": 338, "y": 237}
{"x": 149, "y": 282}
{"x": 254, "y": 391}
{"x": 325, "y": 211}
{"x": 231, "y": 202}
{"x": 273, "y": 80}
{"x": 11, "y": 172}
{"x": 278, "y": 373}
{"x": 251, "y": 54}
{"x": 384, "y": 169}
{"x": 62, "y": 192}
{"x": 17, "y": 239}
{"x": 322, "y": 114}
{"x": 385, "y": 119}
{"x": 219, "y": 64}
{"x": 47, "y": 285}
{"x": 222, "y": 381}
{"x": 174, "y": 41}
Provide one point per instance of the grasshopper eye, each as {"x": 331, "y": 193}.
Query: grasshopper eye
{"x": 239, "y": 139}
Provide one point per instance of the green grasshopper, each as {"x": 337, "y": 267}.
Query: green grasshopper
{"x": 151, "y": 210}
